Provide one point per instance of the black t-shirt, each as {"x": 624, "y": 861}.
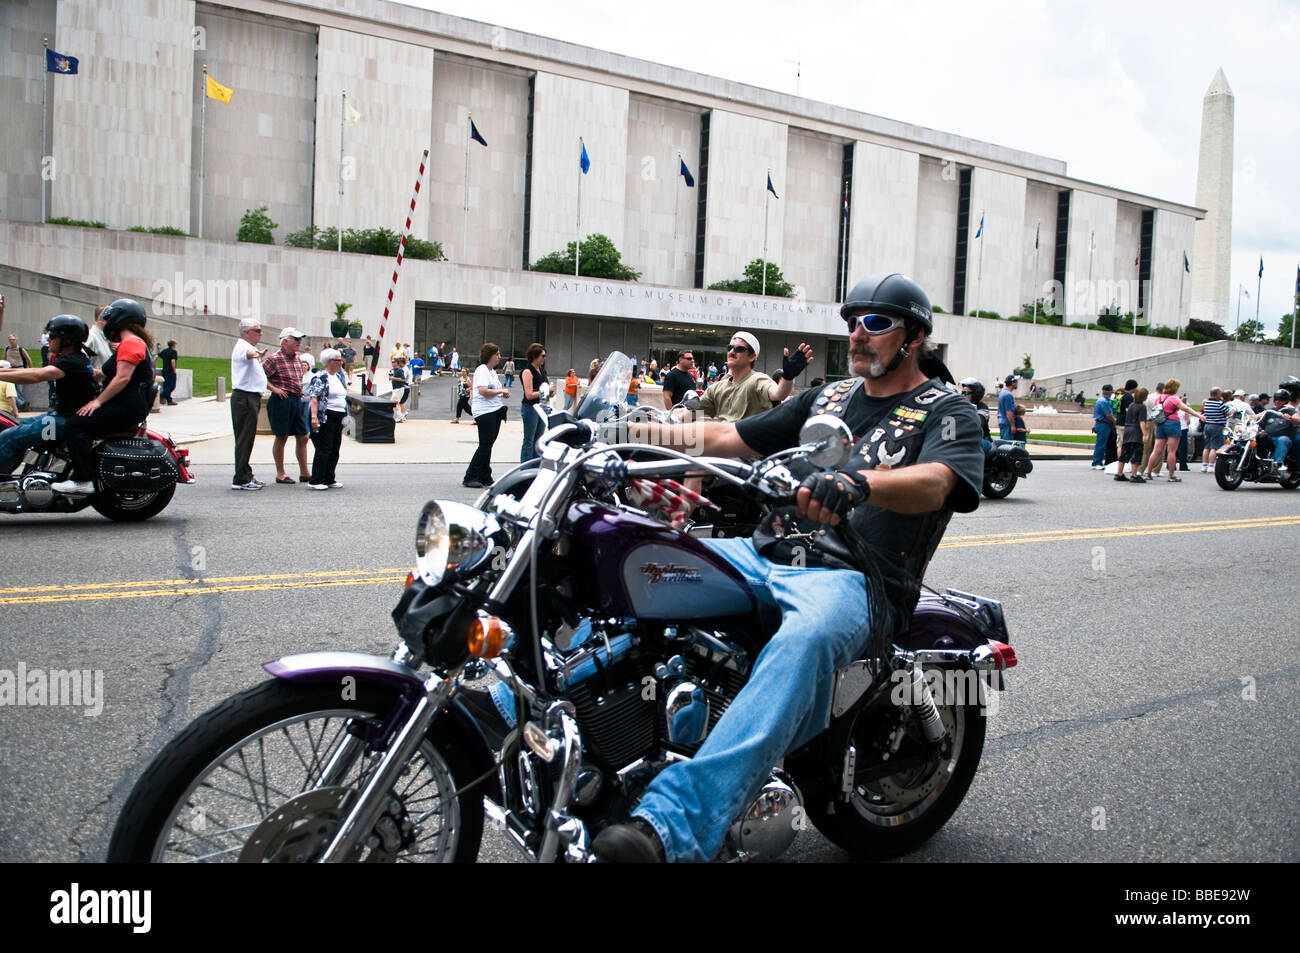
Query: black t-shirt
{"x": 930, "y": 424}
{"x": 137, "y": 395}
{"x": 77, "y": 386}
{"x": 168, "y": 356}
{"x": 983, "y": 412}
{"x": 677, "y": 382}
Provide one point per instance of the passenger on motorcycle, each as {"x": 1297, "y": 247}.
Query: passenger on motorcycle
{"x": 917, "y": 461}
{"x": 74, "y": 386}
{"x": 973, "y": 389}
{"x": 1281, "y": 441}
{"x": 125, "y": 399}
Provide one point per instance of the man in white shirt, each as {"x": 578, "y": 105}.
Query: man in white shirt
{"x": 97, "y": 346}
{"x": 1237, "y": 407}
{"x": 248, "y": 383}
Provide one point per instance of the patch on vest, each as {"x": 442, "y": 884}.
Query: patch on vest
{"x": 930, "y": 396}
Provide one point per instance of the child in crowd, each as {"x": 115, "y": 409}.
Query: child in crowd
{"x": 1018, "y": 429}
{"x": 1131, "y": 450}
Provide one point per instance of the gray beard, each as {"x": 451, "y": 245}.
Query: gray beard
{"x": 877, "y": 369}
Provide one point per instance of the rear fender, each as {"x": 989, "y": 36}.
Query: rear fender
{"x": 334, "y": 667}
{"x": 181, "y": 456}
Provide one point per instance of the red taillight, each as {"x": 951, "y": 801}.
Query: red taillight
{"x": 1004, "y": 654}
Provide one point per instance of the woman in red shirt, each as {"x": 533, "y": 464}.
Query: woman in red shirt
{"x": 125, "y": 400}
{"x": 1169, "y": 431}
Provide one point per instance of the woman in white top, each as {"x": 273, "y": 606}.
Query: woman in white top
{"x": 487, "y": 404}
{"x": 328, "y": 392}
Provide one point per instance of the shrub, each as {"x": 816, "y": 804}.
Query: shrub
{"x": 256, "y": 226}
{"x": 600, "y": 259}
{"x": 368, "y": 241}
{"x": 752, "y": 283}
{"x": 64, "y": 220}
{"x": 159, "y": 230}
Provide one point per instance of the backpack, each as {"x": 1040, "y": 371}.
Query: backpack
{"x": 1158, "y": 416}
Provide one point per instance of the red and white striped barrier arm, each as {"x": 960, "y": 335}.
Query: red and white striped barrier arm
{"x": 392, "y": 287}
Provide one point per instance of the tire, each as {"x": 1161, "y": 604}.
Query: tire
{"x": 132, "y": 507}
{"x": 998, "y": 484}
{"x": 1292, "y": 481}
{"x": 1226, "y": 475}
{"x": 204, "y": 778}
{"x": 884, "y": 818}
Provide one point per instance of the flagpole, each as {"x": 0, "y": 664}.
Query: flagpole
{"x": 464, "y": 229}
{"x": 1238, "y": 327}
{"x": 343, "y": 120}
{"x": 1037, "y": 226}
{"x": 1259, "y": 282}
{"x": 1137, "y": 263}
{"x": 1092, "y": 246}
{"x": 844, "y": 244}
{"x": 979, "y": 274}
{"x": 765, "y": 203}
{"x": 203, "y": 129}
{"x": 40, "y": 160}
{"x": 677, "y": 209}
{"x": 1295, "y": 305}
{"x": 577, "y": 245}
{"x": 1178, "y": 335}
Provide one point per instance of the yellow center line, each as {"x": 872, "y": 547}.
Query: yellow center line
{"x": 201, "y": 589}
{"x": 1246, "y": 523}
{"x": 79, "y": 587}
{"x": 1052, "y": 536}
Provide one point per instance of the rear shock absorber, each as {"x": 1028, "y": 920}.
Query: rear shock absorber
{"x": 921, "y": 702}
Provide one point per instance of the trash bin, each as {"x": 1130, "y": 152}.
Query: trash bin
{"x": 372, "y": 419}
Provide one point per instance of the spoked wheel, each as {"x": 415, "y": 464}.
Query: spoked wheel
{"x": 999, "y": 483}
{"x": 270, "y": 774}
{"x": 1292, "y": 481}
{"x": 1227, "y": 473}
{"x": 893, "y": 814}
{"x": 132, "y": 507}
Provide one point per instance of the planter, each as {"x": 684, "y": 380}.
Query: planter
{"x": 354, "y": 330}
{"x": 339, "y": 327}
{"x": 1025, "y": 372}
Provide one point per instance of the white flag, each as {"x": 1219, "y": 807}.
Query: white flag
{"x": 350, "y": 113}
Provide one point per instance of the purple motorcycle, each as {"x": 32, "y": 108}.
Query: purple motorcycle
{"x": 552, "y": 660}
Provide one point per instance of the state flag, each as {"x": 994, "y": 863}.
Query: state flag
{"x": 584, "y": 160}
{"x": 58, "y": 63}
{"x": 474, "y": 133}
{"x": 686, "y": 173}
{"x": 980, "y": 231}
{"x": 1187, "y": 265}
{"x": 1261, "y": 266}
{"x": 1037, "y": 228}
{"x": 218, "y": 92}
{"x": 769, "y": 186}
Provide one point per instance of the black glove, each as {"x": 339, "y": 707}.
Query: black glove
{"x": 838, "y": 491}
{"x": 792, "y": 365}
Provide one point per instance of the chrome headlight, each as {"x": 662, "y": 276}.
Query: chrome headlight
{"x": 451, "y": 537}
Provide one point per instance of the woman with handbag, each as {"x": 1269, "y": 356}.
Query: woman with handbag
{"x": 1168, "y": 430}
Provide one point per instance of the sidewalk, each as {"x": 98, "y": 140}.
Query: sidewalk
{"x": 426, "y": 436}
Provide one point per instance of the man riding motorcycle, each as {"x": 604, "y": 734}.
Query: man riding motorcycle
{"x": 74, "y": 386}
{"x": 917, "y": 460}
{"x": 1282, "y": 441}
{"x": 973, "y": 389}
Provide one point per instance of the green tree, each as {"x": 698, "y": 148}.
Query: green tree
{"x": 365, "y": 241}
{"x": 1283, "y": 338}
{"x": 1206, "y": 330}
{"x": 752, "y": 283}
{"x": 1250, "y": 332}
{"x": 600, "y": 259}
{"x": 256, "y": 226}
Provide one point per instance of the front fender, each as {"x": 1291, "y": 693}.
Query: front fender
{"x": 316, "y": 667}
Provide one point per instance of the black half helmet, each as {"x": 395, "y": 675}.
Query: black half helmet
{"x": 120, "y": 313}
{"x": 69, "y": 328}
{"x": 1291, "y": 385}
{"x": 894, "y": 294}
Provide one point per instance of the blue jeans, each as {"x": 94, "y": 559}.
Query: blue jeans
{"x": 1281, "y": 445}
{"x": 785, "y": 703}
{"x": 1004, "y": 430}
{"x": 533, "y": 427}
{"x": 30, "y": 433}
{"x": 1103, "y": 437}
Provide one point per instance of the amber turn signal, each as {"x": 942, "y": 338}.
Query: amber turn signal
{"x": 487, "y": 636}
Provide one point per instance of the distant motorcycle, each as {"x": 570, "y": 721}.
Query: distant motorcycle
{"x": 1004, "y": 464}
{"x": 136, "y": 473}
{"x": 1247, "y": 453}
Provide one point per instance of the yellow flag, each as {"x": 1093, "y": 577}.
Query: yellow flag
{"x": 351, "y": 114}
{"x": 219, "y": 92}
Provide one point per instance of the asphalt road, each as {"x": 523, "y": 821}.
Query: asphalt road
{"x": 1154, "y": 715}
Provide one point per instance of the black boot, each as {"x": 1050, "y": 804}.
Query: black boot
{"x": 633, "y": 843}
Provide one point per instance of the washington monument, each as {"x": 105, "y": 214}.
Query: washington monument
{"x": 1212, "y": 254}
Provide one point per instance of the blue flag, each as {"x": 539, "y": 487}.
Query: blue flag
{"x": 1187, "y": 265}
{"x": 584, "y": 161}
{"x": 1261, "y": 266}
{"x": 58, "y": 63}
{"x": 1036, "y": 228}
{"x": 769, "y": 186}
{"x": 686, "y": 173}
{"x": 979, "y": 231}
{"x": 473, "y": 133}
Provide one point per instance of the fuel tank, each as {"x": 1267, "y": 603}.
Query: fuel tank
{"x": 630, "y": 565}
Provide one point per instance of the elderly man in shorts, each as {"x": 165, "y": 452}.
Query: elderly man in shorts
{"x": 284, "y": 406}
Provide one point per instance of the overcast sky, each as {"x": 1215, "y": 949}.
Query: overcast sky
{"x": 1112, "y": 87}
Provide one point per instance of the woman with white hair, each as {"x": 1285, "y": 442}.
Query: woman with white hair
{"x": 327, "y": 390}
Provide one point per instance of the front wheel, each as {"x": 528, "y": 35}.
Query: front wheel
{"x": 126, "y": 507}
{"x": 270, "y": 774}
{"x": 1227, "y": 473}
{"x": 891, "y": 815}
{"x": 999, "y": 483}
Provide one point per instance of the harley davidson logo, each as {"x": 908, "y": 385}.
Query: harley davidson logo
{"x": 671, "y": 573}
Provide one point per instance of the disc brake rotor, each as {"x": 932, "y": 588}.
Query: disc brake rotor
{"x": 299, "y": 830}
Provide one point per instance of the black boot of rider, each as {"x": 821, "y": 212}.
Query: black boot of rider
{"x": 633, "y": 843}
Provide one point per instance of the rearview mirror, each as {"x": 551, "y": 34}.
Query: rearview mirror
{"x": 833, "y": 439}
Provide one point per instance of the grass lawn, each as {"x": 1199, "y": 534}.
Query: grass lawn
{"x": 1063, "y": 437}
{"x": 206, "y": 371}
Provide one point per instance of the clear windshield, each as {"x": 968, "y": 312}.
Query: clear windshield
{"x": 608, "y": 391}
